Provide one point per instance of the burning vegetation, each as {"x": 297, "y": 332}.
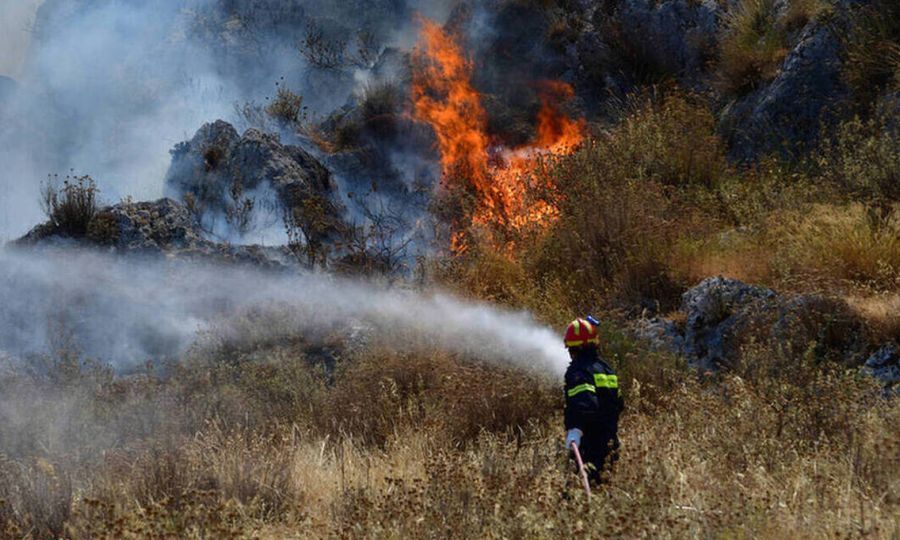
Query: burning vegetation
{"x": 508, "y": 197}
{"x": 379, "y": 406}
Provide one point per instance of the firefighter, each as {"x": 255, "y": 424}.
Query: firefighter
{"x": 593, "y": 399}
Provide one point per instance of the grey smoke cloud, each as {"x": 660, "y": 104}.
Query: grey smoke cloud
{"x": 16, "y": 20}
{"x": 108, "y": 87}
{"x": 126, "y": 311}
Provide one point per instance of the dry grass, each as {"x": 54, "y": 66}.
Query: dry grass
{"x": 832, "y": 243}
{"x": 872, "y": 50}
{"x": 863, "y": 158}
{"x": 809, "y": 454}
{"x": 752, "y": 48}
{"x": 881, "y": 313}
{"x": 799, "y": 13}
{"x": 287, "y": 106}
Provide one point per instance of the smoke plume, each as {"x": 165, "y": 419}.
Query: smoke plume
{"x": 108, "y": 87}
{"x": 126, "y": 311}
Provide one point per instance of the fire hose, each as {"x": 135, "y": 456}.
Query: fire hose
{"x": 582, "y": 471}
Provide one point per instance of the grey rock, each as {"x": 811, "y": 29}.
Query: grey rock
{"x": 838, "y": 332}
{"x": 217, "y": 160}
{"x": 786, "y": 114}
{"x": 629, "y": 43}
{"x": 162, "y": 228}
{"x": 716, "y": 309}
{"x": 662, "y": 335}
{"x": 677, "y": 34}
{"x": 722, "y": 315}
{"x": 884, "y": 365}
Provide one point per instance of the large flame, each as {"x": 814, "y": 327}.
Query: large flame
{"x": 443, "y": 97}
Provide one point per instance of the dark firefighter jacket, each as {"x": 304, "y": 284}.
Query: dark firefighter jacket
{"x": 593, "y": 399}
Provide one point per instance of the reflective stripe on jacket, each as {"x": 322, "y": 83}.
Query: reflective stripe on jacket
{"x": 593, "y": 397}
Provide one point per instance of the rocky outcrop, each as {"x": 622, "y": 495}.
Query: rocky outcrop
{"x": 716, "y": 310}
{"x": 662, "y": 335}
{"x": 626, "y": 44}
{"x": 786, "y": 114}
{"x": 678, "y": 36}
{"x": 157, "y": 228}
{"x": 236, "y": 177}
{"x": 722, "y": 315}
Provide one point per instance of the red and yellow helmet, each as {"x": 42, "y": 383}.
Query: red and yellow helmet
{"x": 581, "y": 332}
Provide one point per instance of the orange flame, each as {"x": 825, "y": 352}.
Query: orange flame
{"x": 444, "y": 98}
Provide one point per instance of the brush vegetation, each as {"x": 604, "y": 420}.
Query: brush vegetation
{"x": 250, "y": 437}
{"x": 267, "y": 441}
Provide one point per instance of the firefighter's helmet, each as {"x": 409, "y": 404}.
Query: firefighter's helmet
{"x": 581, "y": 332}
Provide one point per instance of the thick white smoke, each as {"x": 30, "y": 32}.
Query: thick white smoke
{"x": 108, "y": 87}
{"x": 126, "y": 311}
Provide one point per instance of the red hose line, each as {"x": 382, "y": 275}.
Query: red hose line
{"x": 584, "y": 476}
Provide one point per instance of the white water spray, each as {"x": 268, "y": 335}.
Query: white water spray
{"x": 125, "y": 311}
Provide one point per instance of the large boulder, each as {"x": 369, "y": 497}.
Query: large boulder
{"x": 661, "y": 334}
{"x": 717, "y": 309}
{"x": 723, "y": 315}
{"x": 786, "y": 114}
{"x": 252, "y": 180}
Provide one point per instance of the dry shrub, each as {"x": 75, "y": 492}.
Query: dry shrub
{"x": 752, "y": 47}
{"x": 872, "y": 50}
{"x": 831, "y": 243}
{"x": 35, "y": 498}
{"x": 287, "y": 107}
{"x": 628, "y": 196}
{"x": 383, "y": 392}
{"x": 624, "y": 198}
{"x": 607, "y": 222}
{"x": 723, "y": 459}
{"x": 486, "y": 273}
{"x": 247, "y": 467}
{"x": 799, "y": 13}
{"x": 670, "y": 139}
{"x": 380, "y": 105}
{"x": 786, "y": 446}
{"x": 72, "y": 206}
{"x": 881, "y": 313}
{"x": 863, "y": 158}
{"x": 103, "y": 228}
